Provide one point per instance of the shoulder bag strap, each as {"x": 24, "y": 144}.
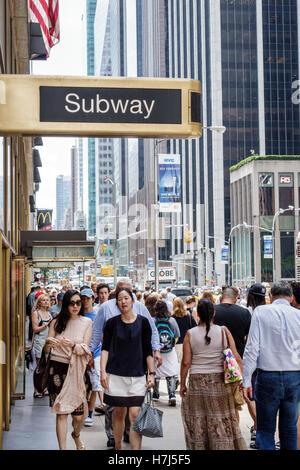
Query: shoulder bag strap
{"x": 223, "y": 342}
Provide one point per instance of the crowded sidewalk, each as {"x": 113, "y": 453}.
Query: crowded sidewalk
{"x": 33, "y": 426}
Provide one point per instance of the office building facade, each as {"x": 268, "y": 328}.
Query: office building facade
{"x": 111, "y": 154}
{"x": 246, "y": 55}
{"x": 63, "y": 199}
{"x": 17, "y": 213}
{"x": 91, "y": 6}
{"x": 74, "y": 183}
{"x": 265, "y": 194}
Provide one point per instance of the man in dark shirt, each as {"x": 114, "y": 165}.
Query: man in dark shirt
{"x": 237, "y": 319}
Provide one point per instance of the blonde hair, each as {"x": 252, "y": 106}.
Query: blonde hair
{"x": 179, "y": 308}
{"x": 38, "y": 301}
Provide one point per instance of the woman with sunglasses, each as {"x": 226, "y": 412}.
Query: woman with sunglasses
{"x": 69, "y": 336}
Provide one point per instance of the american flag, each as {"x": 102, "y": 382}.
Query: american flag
{"x": 45, "y": 12}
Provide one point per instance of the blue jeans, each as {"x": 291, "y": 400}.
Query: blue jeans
{"x": 277, "y": 391}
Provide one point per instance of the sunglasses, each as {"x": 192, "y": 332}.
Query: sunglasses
{"x": 77, "y": 303}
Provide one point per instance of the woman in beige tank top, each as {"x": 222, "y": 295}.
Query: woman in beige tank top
{"x": 208, "y": 409}
{"x": 69, "y": 337}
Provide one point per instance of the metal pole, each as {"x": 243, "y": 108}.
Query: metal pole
{"x": 115, "y": 239}
{"x": 156, "y": 261}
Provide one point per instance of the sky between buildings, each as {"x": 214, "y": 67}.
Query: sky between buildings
{"x": 68, "y": 57}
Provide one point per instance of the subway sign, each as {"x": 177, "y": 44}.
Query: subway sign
{"x": 113, "y": 105}
{"x": 104, "y": 106}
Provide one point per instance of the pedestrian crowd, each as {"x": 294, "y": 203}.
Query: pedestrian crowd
{"x": 218, "y": 354}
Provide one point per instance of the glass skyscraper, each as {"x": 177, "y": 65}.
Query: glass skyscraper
{"x": 90, "y": 18}
{"x": 246, "y": 55}
{"x": 63, "y": 199}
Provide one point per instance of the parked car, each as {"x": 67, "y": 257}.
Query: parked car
{"x": 182, "y": 292}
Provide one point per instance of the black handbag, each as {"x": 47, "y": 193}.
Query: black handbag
{"x": 149, "y": 419}
{"x": 41, "y": 373}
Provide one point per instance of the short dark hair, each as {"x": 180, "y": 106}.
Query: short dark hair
{"x": 230, "y": 293}
{"x": 84, "y": 287}
{"x": 103, "y": 286}
{"x": 118, "y": 292}
{"x": 296, "y": 290}
{"x": 281, "y": 289}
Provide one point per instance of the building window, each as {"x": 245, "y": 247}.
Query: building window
{"x": 266, "y": 194}
{"x": 287, "y": 251}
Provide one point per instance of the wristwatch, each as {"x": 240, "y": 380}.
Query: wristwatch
{"x": 152, "y": 373}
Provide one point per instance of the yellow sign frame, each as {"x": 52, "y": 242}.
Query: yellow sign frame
{"x": 20, "y": 107}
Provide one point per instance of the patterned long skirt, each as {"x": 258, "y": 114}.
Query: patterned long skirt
{"x": 57, "y": 375}
{"x": 208, "y": 415}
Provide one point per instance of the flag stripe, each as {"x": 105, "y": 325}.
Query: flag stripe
{"x": 46, "y": 13}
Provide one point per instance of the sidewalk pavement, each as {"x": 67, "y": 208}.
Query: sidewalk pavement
{"x": 33, "y": 426}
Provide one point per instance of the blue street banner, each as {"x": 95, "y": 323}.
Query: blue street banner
{"x": 224, "y": 254}
{"x": 268, "y": 246}
{"x": 169, "y": 171}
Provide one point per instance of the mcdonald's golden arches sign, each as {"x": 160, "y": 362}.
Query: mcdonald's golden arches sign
{"x": 44, "y": 219}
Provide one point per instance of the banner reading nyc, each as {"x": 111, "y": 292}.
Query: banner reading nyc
{"x": 100, "y": 106}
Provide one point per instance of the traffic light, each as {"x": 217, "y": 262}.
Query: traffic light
{"x": 188, "y": 236}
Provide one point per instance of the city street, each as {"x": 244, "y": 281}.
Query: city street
{"x": 33, "y": 426}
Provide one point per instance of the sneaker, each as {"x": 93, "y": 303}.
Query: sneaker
{"x": 253, "y": 445}
{"x": 88, "y": 422}
{"x": 253, "y": 434}
{"x": 155, "y": 396}
{"x": 172, "y": 399}
{"x": 277, "y": 445}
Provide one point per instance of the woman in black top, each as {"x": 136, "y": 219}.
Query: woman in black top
{"x": 185, "y": 322}
{"x": 125, "y": 359}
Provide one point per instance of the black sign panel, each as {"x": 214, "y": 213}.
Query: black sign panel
{"x": 110, "y": 105}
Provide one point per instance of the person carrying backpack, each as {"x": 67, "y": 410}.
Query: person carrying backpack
{"x": 168, "y": 333}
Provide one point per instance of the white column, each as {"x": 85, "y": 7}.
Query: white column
{"x": 260, "y": 71}
{"x": 217, "y": 138}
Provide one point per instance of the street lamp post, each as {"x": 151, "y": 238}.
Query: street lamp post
{"x": 114, "y": 184}
{"x": 156, "y": 251}
{"x": 219, "y": 129}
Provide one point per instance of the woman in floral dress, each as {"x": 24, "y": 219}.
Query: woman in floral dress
{"x": 208, "y": 408}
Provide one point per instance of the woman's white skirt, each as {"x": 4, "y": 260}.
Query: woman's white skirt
{"x": 125, "y": 391}
{"x": 170, "y": 365}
